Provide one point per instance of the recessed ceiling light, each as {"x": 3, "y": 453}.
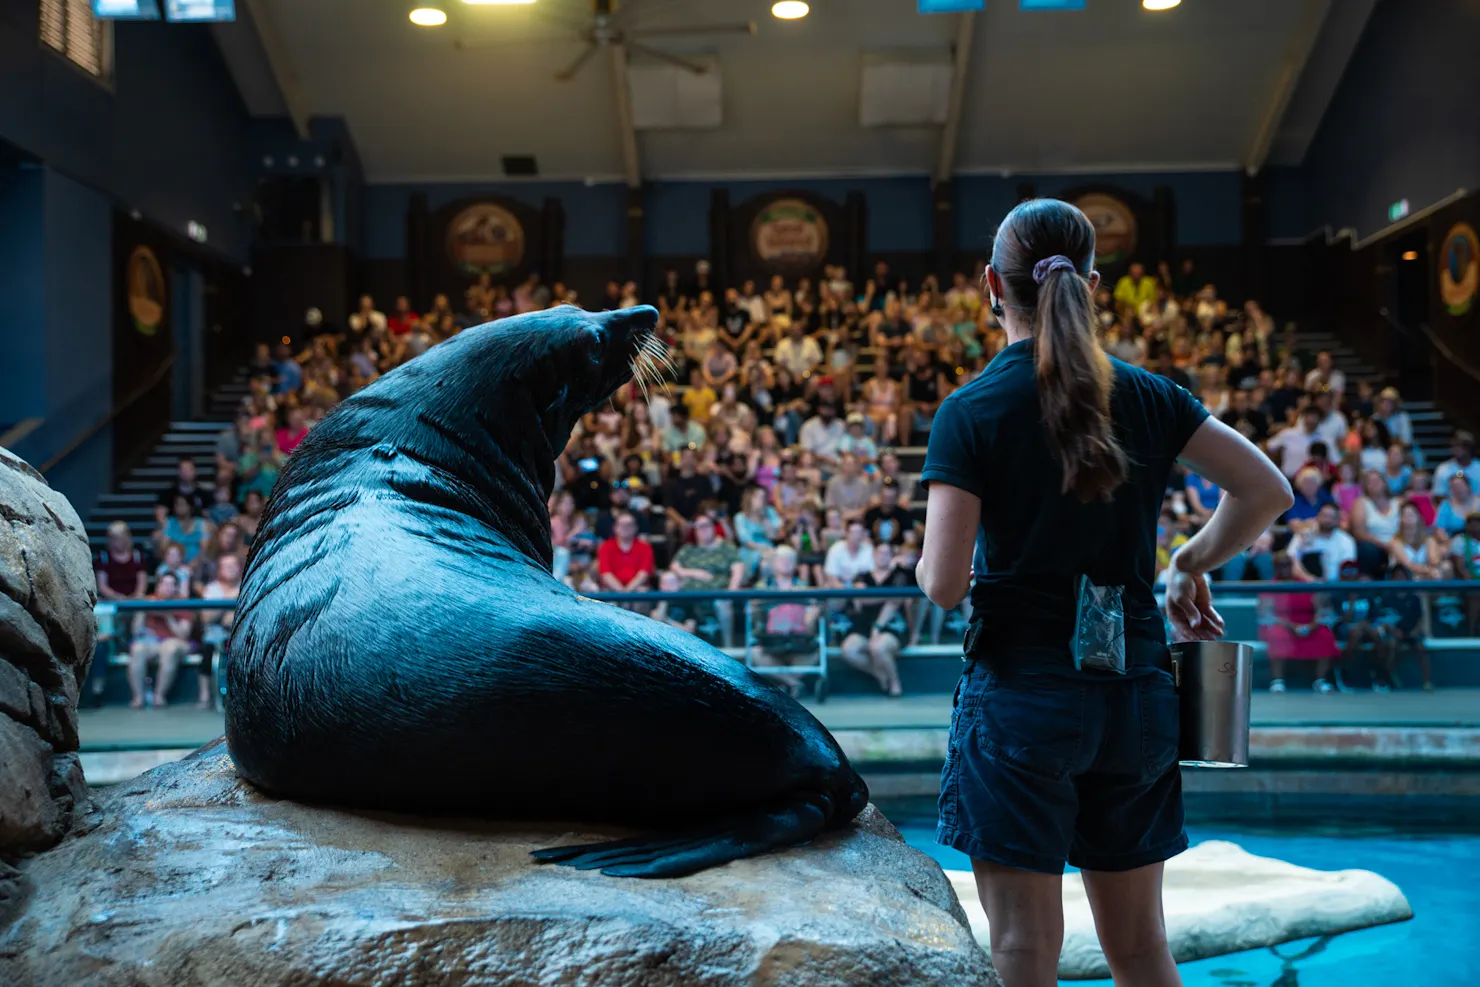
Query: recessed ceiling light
{"x": 428, "y": 17}
{"x": 1159, "y": 4}
{"x": 490, "y": 3}
{"x": 789, "y": 10}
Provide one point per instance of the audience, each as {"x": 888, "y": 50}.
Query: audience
{"x": 772, "y": 459}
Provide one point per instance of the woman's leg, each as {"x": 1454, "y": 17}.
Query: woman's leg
{"x": 1026, "y": 913}
{"x": 884, "y": 650}
{"x": 139, "y": 654}
{"x": 855, "y": 653}
{"x": 170, "y": 653}
{"x": 1131, "y": 926}
{"x": 1276, "y": 670}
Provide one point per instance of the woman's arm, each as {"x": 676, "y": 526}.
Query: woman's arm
{"x": 952, "y": 518}
{"x": 1255, "y": 493}
{"x": 1358, "y": 521}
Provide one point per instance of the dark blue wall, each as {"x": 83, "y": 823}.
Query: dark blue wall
{"x": 169, "y": 138}
{"x": 1208, "y": 203}
{"x": 899, "y": 209}
{"x": 1405, "y": 121}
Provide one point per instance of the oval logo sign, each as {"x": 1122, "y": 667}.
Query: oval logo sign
{"x": 789, "y": 233}
{"x": 485, "y": 239}
{"x": 145, "y": 291}
{"x": 1115, "y": 227}
{"x": 1459, "y": 269}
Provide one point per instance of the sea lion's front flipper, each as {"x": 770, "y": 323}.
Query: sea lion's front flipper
{"x": 679, "y": 854}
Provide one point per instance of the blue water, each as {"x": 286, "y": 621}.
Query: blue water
{"x": 1439, "y": 873}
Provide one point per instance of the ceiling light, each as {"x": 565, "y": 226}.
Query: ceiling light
{"x": 789, "y": 10}
{"x": 491, "y": 3}
{"x": 428, "y": 17}
{"x": 1410, "y": 255}
{"x": 1159, "y": 4}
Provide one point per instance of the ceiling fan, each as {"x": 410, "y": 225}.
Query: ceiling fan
{"x": 607, "y": 27}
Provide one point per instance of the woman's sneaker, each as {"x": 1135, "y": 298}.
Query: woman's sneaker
{"x": 1323, "y": 687}
{"x": 1278, "y": 685}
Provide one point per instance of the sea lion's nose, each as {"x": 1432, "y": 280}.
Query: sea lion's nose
{"x": 628, "y": 321}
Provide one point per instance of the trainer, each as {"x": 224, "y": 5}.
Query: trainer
{"x": 1055, "y": 462}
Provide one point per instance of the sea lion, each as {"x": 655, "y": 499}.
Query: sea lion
{"x": 401, "y": 644}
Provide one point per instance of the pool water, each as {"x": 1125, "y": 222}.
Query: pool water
{"x": 1438, "y": 872}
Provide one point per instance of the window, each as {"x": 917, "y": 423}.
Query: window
{"x": 69, "y": 28}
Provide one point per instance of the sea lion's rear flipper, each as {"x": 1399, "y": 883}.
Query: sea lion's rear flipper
{"x": 682, "y": 853}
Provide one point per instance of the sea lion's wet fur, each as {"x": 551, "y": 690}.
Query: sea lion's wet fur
{"x": 401, "y": 644}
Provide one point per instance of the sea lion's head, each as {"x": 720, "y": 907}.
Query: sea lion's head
{"x": 568, "y": 361}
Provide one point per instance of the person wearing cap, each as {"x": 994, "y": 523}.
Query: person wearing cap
{"x": 1389, "y": 411}
{"x": 797, "y": 352}
{"x": 1461, "y": 460}
{"x": 856, "y": 442}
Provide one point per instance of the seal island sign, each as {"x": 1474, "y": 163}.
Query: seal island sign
{"x": 788, "y": 233}
{"x": 1459, "y": 269}
{"x": 1115, "y": 227}
{"x": 145, "y": 291}
{"x": 485, "y": 238}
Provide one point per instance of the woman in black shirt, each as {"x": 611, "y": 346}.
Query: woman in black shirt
{"x": 1052, "y": 466}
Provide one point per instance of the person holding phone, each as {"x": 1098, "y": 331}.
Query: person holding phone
{"x": 1051, "y": 467}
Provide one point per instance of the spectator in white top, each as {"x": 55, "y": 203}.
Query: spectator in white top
{"x": 1334, "y": 546}
{"x": 216, "y": 624}
{"x": 753, "y": 303}
{"x": 368, "y": 318}
{"x": 823, "y": 434}
{"x": 1334, "y": 426}
{"x": 847, "y": 559}
{"x": 1325, "y": 376}
{"x": 1462, "y": 453}
{"x": 1291, "y": 446}
{"x": 798, "y": 352}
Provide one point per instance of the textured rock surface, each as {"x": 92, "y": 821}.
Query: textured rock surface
{"x": 1222, "y": 899}
{"x": 47, "y": 633}
{"x": 194, "y": 878}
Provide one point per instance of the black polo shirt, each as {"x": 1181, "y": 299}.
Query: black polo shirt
{"x": 988, "y": 439}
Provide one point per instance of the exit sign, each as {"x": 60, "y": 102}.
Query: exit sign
{"x": 1397, "y": 210}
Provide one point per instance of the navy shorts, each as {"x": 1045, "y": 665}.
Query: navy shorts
{"x": 1046, "y": 766}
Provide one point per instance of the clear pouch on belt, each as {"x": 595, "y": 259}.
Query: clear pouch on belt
{"x": 1099, "y": 628}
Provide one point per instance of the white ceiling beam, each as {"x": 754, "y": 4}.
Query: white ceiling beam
{"x": 631, "y": 166}
{"x": 1302, "y": 43}
{"x": 282, "y": 65}
{"x": 950, "y": 134}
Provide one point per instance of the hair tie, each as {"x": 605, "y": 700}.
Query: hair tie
{"x": 1045, "y": 267}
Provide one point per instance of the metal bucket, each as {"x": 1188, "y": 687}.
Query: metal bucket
{"x": 1214, "y": 684}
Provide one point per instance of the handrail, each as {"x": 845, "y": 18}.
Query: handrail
{"x": 1230, "y": 589}
{"x": 106, "y": 420}
{"x": 1437, "y": 343}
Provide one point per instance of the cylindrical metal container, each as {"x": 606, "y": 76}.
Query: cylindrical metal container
{"x": 1214, "y": 684}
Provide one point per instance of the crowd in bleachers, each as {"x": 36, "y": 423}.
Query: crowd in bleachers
{"x": 783, "y": 455}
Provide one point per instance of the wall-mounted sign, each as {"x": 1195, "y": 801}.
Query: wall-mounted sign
{"x": 200, "y": 10}
{"x": 145, "y": 291}
{"x": 485, "y": 239}
{"x": 196, "y": 231}
{"x": 1115, "y": 227}
{"x": 1397, "y": 210}
{"x": 1459, "y": 269}
{"x": 126, "y": 10}
{"x": 789, "y": 233}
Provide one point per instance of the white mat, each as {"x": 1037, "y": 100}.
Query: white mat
{"x": 1221, "y": 899}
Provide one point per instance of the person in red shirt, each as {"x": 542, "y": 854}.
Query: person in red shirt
{"x": 403, "y": 320}
{"x": 291, "y": 436}
{"x": 120, "y": 567}
{"x": 624, "y": 560}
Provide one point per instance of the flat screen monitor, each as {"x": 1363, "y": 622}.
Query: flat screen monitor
{"x": 200, "y": 10}
{"x": 126, "y": 10}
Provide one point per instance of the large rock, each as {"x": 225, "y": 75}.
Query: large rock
{"x": 193, "y": 878}
{"x": 47, "y": 634}
{"x": 1222, "y": 899}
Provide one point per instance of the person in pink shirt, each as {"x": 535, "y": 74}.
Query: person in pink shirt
{"x": 291, "y": 435}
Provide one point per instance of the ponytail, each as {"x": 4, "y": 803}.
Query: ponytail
{"x": 1074, "y": 381}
